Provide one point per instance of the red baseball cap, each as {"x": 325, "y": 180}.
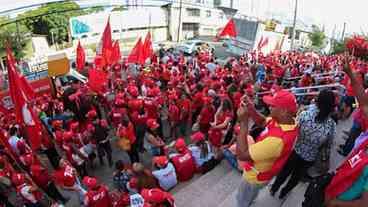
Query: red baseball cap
{"x": 90, "y": 182}
{"x": 282, "y": 99}
{"x": 133, "y": 90}
{"x": 74, "y": 125}
{"x": 180, "y": 145}
{"x": 160, "y": 160}
{"x": 91, "y": 114}
{"x": 67, "y": 136}
{"x": 197, "y": 137}
{"x": 152, "y": 124}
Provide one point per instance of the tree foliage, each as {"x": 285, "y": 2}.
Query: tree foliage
{"x": 56, "y": 23}
{"x": 317, "y": 37}
{"x": 338, "y": 47}
{"x": 17, "y": 38}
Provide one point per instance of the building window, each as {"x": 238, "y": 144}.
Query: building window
{"x": 193, "y": 12}
{"x": 190, "y": 27}
{"x": 199, "y": 1}
{"x": 208, "y": 13}
{"x": 221, "y": 15}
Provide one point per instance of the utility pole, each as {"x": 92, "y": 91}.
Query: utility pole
{"x": 343, "y": 32}
{"x": 180, "y": 24}
{"x": 294, "y": 25}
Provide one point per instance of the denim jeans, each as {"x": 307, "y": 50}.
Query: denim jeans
{"x": 247, "y": 193}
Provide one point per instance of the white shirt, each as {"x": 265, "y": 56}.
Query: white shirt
{"x": 13, "y": 140}
{"x": 166, "y": 177}
{"x": 196, "y": 153}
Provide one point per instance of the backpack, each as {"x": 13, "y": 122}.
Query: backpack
{"x": 315, "y": 194}
{"x": 121, "y": 180}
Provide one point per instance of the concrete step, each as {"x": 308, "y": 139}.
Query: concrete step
{"x": 219, "y": 192}
{"x": 192, "y": 194}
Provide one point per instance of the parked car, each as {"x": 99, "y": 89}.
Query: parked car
{"x": 191, "y": 46}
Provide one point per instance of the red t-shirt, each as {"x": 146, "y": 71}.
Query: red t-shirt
{"x": 98, "y": 198}
{"x": 174, "y": 113}
{"x": 207, "y": 115}
{"x": 65, "y": 176}
{"x": 197, "y": 100}
{"x": 184, "y": 165}
{"x": 151, "y": 107}
{"x": 185, "y": 109}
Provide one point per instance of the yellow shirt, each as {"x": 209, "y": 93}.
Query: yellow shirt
{"x": 264, "y": 154}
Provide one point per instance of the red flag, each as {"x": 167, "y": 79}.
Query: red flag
{"x": 147, "y": 49}
{"x": 134, "y": 55}
{"x": 116, "y": 55}
{"x": 260, "y": 43}
{"x": 107, "y": 43}
{"x": 24, "y": 115}
{"x": 27, "y": 88}
{"x": 81, "y": 57}
{"x": 97, "y": 79}
{"x": 229, "y": 29}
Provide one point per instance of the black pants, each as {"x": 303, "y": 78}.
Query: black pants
{"x": 54, "y": 193}
{"x": 140, "y": 130}
{"x": 53, "y": 156}
{"x": 133, "y": 153}
{"x": 102, "y": 149}
{"x": 82, "y": 169}
{"x": 295, "y": 167}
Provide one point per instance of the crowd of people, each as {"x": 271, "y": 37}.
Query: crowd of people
{"x": 188, "y": 114}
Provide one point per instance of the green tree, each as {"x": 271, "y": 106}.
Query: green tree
{"x": 317, "y": 37}
{"x": 17, "y": 38}
{"x": 55, "y": 24}
{"x": 338, "y": 47}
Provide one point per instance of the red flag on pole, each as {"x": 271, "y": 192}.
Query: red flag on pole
{"x": 107, "y": 43}
{"x": 134, "y": 55}
{"x": 81, "y": 57}
{"x": 24, "y": 115}
{"x": 229, "y": 29}
{"x": 116, "y": 54}
{"x": 147, "y": 49}
{"x": 262, "y": 43}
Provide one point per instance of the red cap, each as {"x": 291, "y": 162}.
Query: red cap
{"x": 133, "y": 90}
{"x": 133, "y": 183}
{"x": 67, "y": 136}
{"x": 180, "y": 145}
{"x": 282, "y": 99}
{"x": 90, "y": 128}
{"x": 104, "y": 123}
{"x": 197, "y": 137}
{"x": 91, "y": 114}
{"x": 152, "y": 124}
{"x": 57, "y": 123}
{"x": 90, "y": 182}
{"x": 119, "y": 102}
{"x": 74, "y": 125}
{"x": 156, "y": 196}
{"x": 135, "y": 104}
{"x": 18, "y": 179}
{"x": 160, "y": 160}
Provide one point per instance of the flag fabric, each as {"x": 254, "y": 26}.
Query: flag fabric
{"x": 97, "y": 80}
{"x": 147, "y": 50}
{"x": 27, "y": 88}
{"x": 81, "y": 57}
{"x": 19, "y": 90}
{"x": 229, "y": 29}
{"x": 107, "y": 43}
{"x": 262, "y": 43}
{"x": 134, "y": 55}
{"x": 116, "y": 54}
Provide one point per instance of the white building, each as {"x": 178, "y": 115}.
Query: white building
{"x": 170, "y": 21}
